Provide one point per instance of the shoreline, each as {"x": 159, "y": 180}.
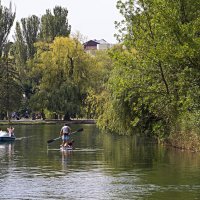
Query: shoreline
{"x": 46, "y": 121}
{"x": 167, "y": 143}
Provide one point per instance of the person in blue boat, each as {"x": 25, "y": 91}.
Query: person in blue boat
{"x": 65, "y": 134}
{"x": 2, "y": 133}
{"x": 11, "y": 131}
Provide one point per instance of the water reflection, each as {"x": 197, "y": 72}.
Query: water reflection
{"x": 6, "y": 151}
{"x": 66, "y": 156}
{"x": 102, "y": 166}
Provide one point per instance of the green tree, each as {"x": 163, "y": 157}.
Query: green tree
{"x": 7, "y": 18}
{"x": 117, "y": 115}
{"x": 7, "y": 71}
{"x": 30, "y": 30}
{"x": 63, "y": 71}
{"x": 54, "y": 25}
{"x": 26, "y": 34}
{"x": 20, "y": 51}
{"x": 10, "y": 88}
{"x": 156, "y": 83}
{"x": 102, "y": 66}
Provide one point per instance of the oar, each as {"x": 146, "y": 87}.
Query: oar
{"x": 52, "y": 140}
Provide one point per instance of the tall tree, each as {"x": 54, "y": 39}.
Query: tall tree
{"x": 26, "y": 34}
{"x": 20, "y": 50}
{"x": 10, "y": 87}
{"x": 30, "y": 29}
{"x": 54, "y": 25}
{"x": 6, "y": 21}
{"x": 161, "y": 66}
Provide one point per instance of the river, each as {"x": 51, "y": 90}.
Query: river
{"x": 101, "y": 167}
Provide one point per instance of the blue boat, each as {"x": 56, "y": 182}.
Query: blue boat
{"x": 4, "y": 137}
{"x": 7, "y": 138}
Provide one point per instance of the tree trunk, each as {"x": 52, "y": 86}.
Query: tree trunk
{"x": 67, "y": 117}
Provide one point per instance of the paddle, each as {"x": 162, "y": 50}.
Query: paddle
{"x": 52, "y": 140}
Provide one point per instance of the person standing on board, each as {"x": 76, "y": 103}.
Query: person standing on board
{"x": 64, "y": 133}
{"x": 11, "y": 131}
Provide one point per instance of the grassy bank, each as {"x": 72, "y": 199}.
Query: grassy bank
{"x": 32, "y": 122}
{"x": 185, "y": 141}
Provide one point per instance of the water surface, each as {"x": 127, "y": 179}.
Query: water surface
{"x": 101, "y": 167}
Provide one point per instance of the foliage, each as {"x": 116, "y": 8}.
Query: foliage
{"x": 26, "y": 34}
{"x": 20, "y": 49}
{"x": 96, "y": 93}
{"x": 54, "y": 25}
{"x": 30, "y": 28}
{"x": 61, "y": 71}
{"x": 155, "y": 80}
{"x": 10, "y": 89}
{"x": 117, "y": 116}
{"x": 6, "y": 21}
{"x": 29, "y": 31}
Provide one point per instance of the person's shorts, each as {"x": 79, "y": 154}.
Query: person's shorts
{"x": 65, "y": 137}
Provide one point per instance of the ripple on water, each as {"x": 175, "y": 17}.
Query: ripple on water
{"x": 92, "y": 184}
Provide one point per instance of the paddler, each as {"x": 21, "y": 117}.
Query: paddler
{"x": 65, "y": 133}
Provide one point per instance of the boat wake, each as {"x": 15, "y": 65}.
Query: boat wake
{"x": 76, "y": 149}
{"x": 22, "y": 138}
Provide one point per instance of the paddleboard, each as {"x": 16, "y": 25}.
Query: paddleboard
{"x": 66, "y": 148}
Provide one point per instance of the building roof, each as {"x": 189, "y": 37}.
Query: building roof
{"x": 95, "y": 42}
{"x": 102, "y": 41}
{"x": 91, "y": 43}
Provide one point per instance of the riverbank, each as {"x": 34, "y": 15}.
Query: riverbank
{"x": 46, "y": 121}
{"x": 189, "y": 141}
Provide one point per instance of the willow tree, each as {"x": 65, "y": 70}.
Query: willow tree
{"x": 63, "y": 71}
{"x": 157, "y": 83}
{"x": 102, "y": 66}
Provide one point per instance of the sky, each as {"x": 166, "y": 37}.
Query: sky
{"x": 94, "y": 19}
